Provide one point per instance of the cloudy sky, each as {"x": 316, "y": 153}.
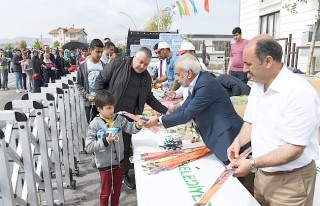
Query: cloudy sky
{"x": 101, "y": 18}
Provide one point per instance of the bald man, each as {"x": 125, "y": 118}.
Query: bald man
{"x": 281, "y": 121}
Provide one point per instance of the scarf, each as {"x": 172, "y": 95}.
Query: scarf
{"x": 66, "y": 55}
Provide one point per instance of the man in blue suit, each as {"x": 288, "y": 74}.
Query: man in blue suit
{"x": 208, "y": 104}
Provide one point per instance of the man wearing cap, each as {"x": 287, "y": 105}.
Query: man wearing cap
{"x": 187, "y": 47}
{"x": 161, "y": 64}
{"x": 164, "y": 52}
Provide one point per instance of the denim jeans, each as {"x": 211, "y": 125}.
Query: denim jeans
{"x": 18, "y": 76}
{"x": 4, "y": 76}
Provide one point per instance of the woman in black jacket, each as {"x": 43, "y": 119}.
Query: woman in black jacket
{"x": 37, "y": 77}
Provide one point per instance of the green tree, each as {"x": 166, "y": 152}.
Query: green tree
{"x": 36, "y": 44}
{"x": 161, "y": 21}
{"x": 292, "y": 7}
{"x": 187, "y": 37}
{"x": 56, "y": 44}
{"x": 8, "y": 46}
{"x": 23, "y": 44}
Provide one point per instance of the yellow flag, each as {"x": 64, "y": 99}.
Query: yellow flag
{"x": 185, "y": 7}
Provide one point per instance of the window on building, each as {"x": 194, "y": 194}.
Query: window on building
{"x": 197, "y": 44}
{"x": 269, "y": 24}
{"x": 219, "y": 45}
{"x": 310, "y": 33}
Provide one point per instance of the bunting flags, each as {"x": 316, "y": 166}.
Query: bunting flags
{"x": 182, "y": 7}
{"x": 206, "y": 5}
{"x": 181, "y": 12}
{"x": 195, "y": 11}
{"x": 185, "y": 6}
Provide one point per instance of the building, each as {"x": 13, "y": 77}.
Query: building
{"x": 271, "y": 17}
{"x": 65, "y": 35}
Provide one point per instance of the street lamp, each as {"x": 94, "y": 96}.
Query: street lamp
{"x": 120, "y": 12}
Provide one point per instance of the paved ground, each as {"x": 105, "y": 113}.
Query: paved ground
{"x": 88, "y": 182}
{"x": 88, "y": 188}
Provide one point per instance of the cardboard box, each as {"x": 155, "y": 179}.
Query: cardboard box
{"x": 239, "y": 103}
{"x": 315, "y": 82}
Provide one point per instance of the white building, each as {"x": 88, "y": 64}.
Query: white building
{"x": 65, "y": 35}
{"x": 270, "y": 16}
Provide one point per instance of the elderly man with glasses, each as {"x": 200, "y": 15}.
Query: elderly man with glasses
{"x": 130, "y": 83}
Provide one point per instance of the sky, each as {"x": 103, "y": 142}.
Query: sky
{"x": 109, "y": 18}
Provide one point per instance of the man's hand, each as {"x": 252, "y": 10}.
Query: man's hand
{"x": 153, "y": 121}
{"x": 233, "y": 151}
{"x": 241, "y": 167}
{"x": 90, "y": 98}
{"x": 171, "y": 95}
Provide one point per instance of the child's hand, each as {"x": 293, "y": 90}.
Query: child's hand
{"x": 111, "y": 138}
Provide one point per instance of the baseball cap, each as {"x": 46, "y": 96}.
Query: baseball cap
{"x": 186, "y": 46}
{"x": 162, "y": 45}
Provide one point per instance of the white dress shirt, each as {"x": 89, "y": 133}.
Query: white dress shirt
{"x": 288, "y": 112}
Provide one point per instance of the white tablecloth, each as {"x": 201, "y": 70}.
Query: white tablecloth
{"x": 185, "y": 185}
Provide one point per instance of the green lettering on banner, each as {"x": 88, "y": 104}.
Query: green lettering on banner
{"x": 195, "y": 189}
{"x": 318, "y": 170}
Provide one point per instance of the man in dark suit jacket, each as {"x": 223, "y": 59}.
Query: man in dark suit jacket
{"x": 208, "y": 104}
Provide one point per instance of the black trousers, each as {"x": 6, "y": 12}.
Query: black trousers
{"x": 91, "y": 112}
{"x": 127, "y": 143}
{"x": 127, "y": 151}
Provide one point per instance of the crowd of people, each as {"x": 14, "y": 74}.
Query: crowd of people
{"x": 33, "y": 68}
{"x": 280, "y": 123}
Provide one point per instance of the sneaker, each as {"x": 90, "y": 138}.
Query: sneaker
{"x": 93, "y": 163}
{"x": 6, "y": 89}
{"x": 1, "y": 89}
{"x": 17, "y": 90}
{"x": 128, "y": 183}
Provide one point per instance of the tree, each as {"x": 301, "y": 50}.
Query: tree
{"x": 23, "y": 44}
{"x": 56, "y": 44}
{"x": 8, "y": 46}
{"x": 161, "y": 21}
{"x": 292, "y": 7}
{"x": 36, "y": 44}
{"x": 187, "y": 37}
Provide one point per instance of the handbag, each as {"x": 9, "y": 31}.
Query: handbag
{"x": 36, "y": 77}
